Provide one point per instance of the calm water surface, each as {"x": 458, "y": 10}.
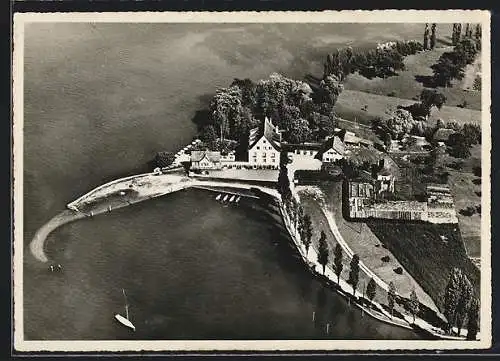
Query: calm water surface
{"x": 100, "y": 100}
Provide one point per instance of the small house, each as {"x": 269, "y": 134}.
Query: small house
{"x": 201, "y": 159}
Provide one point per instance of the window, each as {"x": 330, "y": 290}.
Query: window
{"x": 274, "y": 160}
{"x": 273, "y": 155}
{"x": 264, "y": 160}
{"x": 263, "y": 141}
{"x": 258, "y": 147}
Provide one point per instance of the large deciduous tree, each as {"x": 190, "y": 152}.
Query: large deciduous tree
{"x": 431, "y": 98}
{"x": 400, "y": 123}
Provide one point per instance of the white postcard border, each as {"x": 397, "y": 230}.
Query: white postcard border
{"x": 377, "y": 16}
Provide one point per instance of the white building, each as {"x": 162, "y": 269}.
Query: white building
{"x": 264, "y": 146}
{"x": 335, "y": 150}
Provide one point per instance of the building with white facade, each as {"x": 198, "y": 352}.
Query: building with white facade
{"x": 334, "y": 150}
{"x": 264, "y": 146}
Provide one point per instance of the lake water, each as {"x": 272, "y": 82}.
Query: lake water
{"x": 100, "y": 100}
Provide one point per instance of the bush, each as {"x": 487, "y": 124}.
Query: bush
{"x": 398, "y": 270}
{"x": 164, "y": 159}
{"x": 391, "y": 94}
{"x": 385, "y": 259}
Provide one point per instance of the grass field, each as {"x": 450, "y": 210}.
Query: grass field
{"x": 429, "y": 258}
{"x": 465, "y": 188}
{"x": 350, "y": 103}
{"x": 405, "y": 85}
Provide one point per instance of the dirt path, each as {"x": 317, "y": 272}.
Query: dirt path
{"x": 470, "y": 73}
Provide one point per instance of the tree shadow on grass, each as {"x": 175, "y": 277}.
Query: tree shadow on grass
{"x": 445, "y": 41}
{"x": 426, "y": 80}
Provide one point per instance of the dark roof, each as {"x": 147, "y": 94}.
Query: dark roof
{"x": 305, "y": 146}
{"x": 442, "y": 134}
{"x": 198, "y": 155}
{"x": 336, "y": 144}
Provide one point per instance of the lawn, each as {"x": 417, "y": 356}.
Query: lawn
{"x": 309, "y": 201}
{"x": 426, "y": 255}
{"x": 351, "y": 102}
{"x": 406, "y": 86}
{"x": 466, "y": 190}
{"x": 370, "y": 249}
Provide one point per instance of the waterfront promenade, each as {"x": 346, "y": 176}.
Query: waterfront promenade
{"x": 124, "y": 192}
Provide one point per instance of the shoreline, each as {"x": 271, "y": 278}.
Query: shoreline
{"x": 159, "y": 185}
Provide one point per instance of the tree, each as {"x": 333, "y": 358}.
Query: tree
{"x": 354, "y": 273}
{"x": 298, "y": 131}
{"x": 225, "y": 110}
{"x": 164, "y": 159}
{"x": 330, "y": 88}
{"x": 306, "y": 231}
{"x": 463, "y": 301}
{"x": 466, "y": 51}
{"x": 459, "y": 32}
{"x": 477, "y": 36}
{"x": 337, "y": 261}
{"x": 458, "y": 146}
{"x": 400, "y": 123}
{"x": 454, "y": 34}
{"x": 452, "y": 296}
{"x": 449, "y": 67}
{"x": 431, "y": 98}
{"x": 471, "y": 133}
{"x": 284, "y": 184}
{"x": 414, "y": 304}
{"x": 467, "y": 28}
{"x": 473, "y": 316}
{"x": 391, "y": 296}
{"x": 323, "y": 251}
{"x": 426, "y": 36}
{"x": 371, "y": 289}
{"x": 433, "y": 36}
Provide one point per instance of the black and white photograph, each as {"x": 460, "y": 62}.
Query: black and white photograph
{"x": 252, "y": 181}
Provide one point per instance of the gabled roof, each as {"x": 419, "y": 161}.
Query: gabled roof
{"x": 198, "y": 155}
{"x": 269, "y": 131}
{"x": 336, "y": 144}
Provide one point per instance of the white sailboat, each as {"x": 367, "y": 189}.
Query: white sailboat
{"x": 124, "y": 320}
{"x": 232, "y": 198}
{"x": 225, "y": 198}
{"x": 218, "y": 197}
{"x": 238, "y": 199}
